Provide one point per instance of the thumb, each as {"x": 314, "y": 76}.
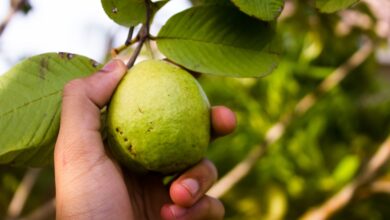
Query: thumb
{"x": 98, "y": 87}
{"x": 83, "y": 98}
{"x": 79, "y": 135}
{"x": 85, "y": 176}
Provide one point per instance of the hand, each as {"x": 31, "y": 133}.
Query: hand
{"x": 90, "y": 185}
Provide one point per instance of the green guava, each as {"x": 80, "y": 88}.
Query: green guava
{"x": 158, "y": 119}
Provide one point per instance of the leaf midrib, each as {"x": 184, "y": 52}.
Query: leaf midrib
{"x": 29, "y": 103}
{"x": 213, "y": 43}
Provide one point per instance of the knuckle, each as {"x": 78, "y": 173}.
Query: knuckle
{"x": 221, "y": 209}
{"x": 211, "y": 170}
{"x": 214, "y": 208}
{"x": 73, "y": 87}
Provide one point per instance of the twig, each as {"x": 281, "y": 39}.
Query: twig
{"x": 381, "y": 185}
{"x": 277, "y": 130}
{"x": 129, "y": 41}
{"x": 12, "y": 11}
{"x": 43, "y": 212}
{"x": 118, "y": 50}
{"x": 129, "y": 36}
{"x": 143, "y": 35}
{"x": 344, "y": 196}
{"x": 23, "y": 191}
{"x": 379, "y": 9}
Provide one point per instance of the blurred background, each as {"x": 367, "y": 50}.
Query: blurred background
{"x": 313, "y": 136}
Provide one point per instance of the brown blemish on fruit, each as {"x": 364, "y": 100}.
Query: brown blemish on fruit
{"x": 119, "y": 131}
{"x": 130, "y": 148}
{"x": 149, "y": 130}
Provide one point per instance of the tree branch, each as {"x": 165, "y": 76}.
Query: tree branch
{"x": 23, "y": 191}
{"x": 278, "y": 129}
{"x": 381, "y": 185}
{"x": 43, "y": 212}
{"x": 14, "y": 8}
{"x": 345, "y": 195}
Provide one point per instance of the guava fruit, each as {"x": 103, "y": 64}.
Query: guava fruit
{"x": 158, "y": 119}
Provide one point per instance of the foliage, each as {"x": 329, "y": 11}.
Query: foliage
{"x": 321, "y": 151}
{"x": 219, "y": 33}
{"x": 30, "y": 121}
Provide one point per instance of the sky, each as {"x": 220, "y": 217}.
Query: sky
{"x": 76, "y": 26}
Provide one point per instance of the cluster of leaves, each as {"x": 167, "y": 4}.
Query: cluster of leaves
{"x": 224, "y": 38}
{"x": 320, "y": 151}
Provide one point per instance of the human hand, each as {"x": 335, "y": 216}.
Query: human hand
{"x": 91, "y": 185}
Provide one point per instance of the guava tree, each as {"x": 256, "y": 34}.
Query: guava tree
{"x": 297, "y": 112}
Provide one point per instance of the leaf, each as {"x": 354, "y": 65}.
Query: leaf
{"x": 159, "y": 4}
{"x": 330, "y": 6}
{"x": 129, "y": 12}
{"x": 203, "y": 2}
{"x": 219, "y": 40}
{"x": 125, "y": 12}
{"x": 346, "y": 169}
{"x": 266, "y": 10}
{"x": 30, "y": 105}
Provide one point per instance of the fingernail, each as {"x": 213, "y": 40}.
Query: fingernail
{"x": 177, "y": 211}
{"x": 110, "y": 66}
{"x": 191, "y": 185}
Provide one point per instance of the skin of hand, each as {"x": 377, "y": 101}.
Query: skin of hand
{"x": 91, "y": 185}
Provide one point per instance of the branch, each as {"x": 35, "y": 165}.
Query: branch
{"x": 23, "y": 191}
{"x": 129, "y": 42}
{"x": 15, "y": 7}
{"x": 379, "y": 9}
{"x": 345, "y": 195}
{"x": 143, "y": 35}
{"x": 381, "y": 185}
{"x": 277, "y": 130}
{"x": 44, "y": 212}
{"x": 129, "y": 36}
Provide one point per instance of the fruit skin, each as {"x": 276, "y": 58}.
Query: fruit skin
{"x": 158, "y": 119}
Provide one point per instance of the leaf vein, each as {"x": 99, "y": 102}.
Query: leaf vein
{"x": 217, "y": 44}
{"x": 30, "y": 102}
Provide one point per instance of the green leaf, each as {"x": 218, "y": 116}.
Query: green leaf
{"x": 125, "y": 12}
{"x": 266, "y": 10}
{"x": 330, "y": 6}
{"x": 159, "y": 4}
{"x": 346, "y": 169}
{"x": 129, "y": 12}
{"x": 204, "y": 2}
{"x": 219, "y": 40}
{"x": 30, "y": 101}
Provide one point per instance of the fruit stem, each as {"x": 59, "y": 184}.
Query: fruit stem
{"x": 143, "y": 35}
